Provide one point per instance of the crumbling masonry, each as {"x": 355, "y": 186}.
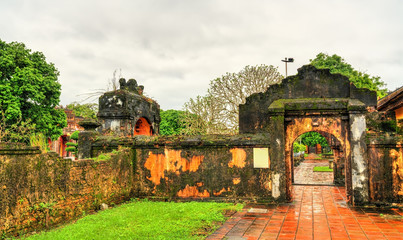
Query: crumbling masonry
{"x": 254, "y": 165}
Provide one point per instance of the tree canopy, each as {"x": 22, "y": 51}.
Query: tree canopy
{"x": 312, "y": 138}
{"x": 217, "y": 112}
{"x": 337, "y": 64}
{"x": 86, "y": 110}
{"x": 29, "y": 89}
{"x": 171, "y": 122}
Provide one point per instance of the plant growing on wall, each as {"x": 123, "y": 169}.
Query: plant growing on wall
{"x": 39, "y": 140}
{"x": 337, "y": 64}
{"x": 19, "y": 131}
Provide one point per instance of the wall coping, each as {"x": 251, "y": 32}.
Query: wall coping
{"x": 241, "y": 140}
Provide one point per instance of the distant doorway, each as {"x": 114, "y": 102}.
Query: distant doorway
{"x": 312, "y": 160}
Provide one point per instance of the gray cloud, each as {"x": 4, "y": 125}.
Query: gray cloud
{"x": 174, "y": 48}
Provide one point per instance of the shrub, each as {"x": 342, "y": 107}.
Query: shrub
{"x": 74, "y": 135}
{"x": 71, "y": 144}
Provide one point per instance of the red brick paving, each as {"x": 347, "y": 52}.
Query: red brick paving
{"x": 317, "y": 212}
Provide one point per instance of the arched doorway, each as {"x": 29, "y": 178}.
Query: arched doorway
{"x": 312, "y": 100}
{"x": 316, "y": 159}
{"x": 143, "y": 127}
{"x": 334, "y": 127}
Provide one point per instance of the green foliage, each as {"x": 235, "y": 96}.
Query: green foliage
{"x": 299, "y": 147}
{"x": 103, "y": 157}
{"x": 87, "y": 110}
{"x": 71, "y": 144}
{"x": 74, "y": 135}
{"x": 171, "y": 122}
{"x": 19, "y": 131}
{"x": 312, "y": 138}
{"x": 337, "y": 64}
{"x": 146, "y": 220}
{"x": 71, "y": 149}
{"x": 39, "y": 140}
{"x": 29, "y": 89}
{"x": 322, "y": 169}
{"x": 106, "y": 156}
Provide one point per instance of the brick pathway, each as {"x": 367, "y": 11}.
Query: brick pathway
{"x": 318, "y": 212}
{"x": 304, "y": 174}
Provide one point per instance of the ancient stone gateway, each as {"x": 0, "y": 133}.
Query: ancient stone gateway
{"x": 127, "y": 112}
{"x": 313, "y": 100}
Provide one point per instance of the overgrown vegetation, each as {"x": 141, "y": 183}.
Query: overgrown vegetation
{"x": 171, "y": 122}
{"x": 299, "y": 147}
{"x": 39, "y": 140}
{"x": 29, "y": 93}
{"x": 106, "y": 156}
{"x": 147, "y": 220}
{"x": 337, "y": 64}
{"x": 18, "y": 131}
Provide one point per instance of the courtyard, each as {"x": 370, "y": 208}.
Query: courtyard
{"x": 316, "y": 212}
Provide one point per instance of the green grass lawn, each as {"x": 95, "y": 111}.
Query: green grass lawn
{"x": 146, "y": 220}
{"x": 322, "y": 169}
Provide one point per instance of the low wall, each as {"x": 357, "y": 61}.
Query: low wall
{"x": 38, "y": 191}
{"x": 385, "y": 169}
{"x": 198, "y": 167}
{"x": 42, "y": 190}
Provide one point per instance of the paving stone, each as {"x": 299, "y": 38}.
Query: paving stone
{"x": 317, "y": 212}
{"x": 257, "y": 210}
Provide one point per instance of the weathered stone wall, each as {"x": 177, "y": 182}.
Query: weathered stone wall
{"x": 385, "y": 167}
{"x": 194, "y": 167}
{"x": 40, "y": 190}
{"x": 310, "y": 84}
{"x": 120, "y": 110}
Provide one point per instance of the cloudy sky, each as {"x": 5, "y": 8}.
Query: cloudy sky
{"x": 175, "y": 47}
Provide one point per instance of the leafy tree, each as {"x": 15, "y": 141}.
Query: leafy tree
{"x": 337, "y": 64}
{"x": 220, "y": 108}
{"x": 74, "y": 135}
{"x": 312, "y": 138}
{"x": 299, "y": 147}
{"x": 29, "y": 89}
{"x": 171, "y": 122}
{"x": 87, "y": 110}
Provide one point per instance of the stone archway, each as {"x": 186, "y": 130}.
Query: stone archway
{"x": 330, "y": 126}
{"x": 312, "y": 100}
{"x": 335, "y": 154}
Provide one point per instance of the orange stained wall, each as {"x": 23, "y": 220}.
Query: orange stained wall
{"x": 142, "y": 128}
{"x": 399, "y": 113}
